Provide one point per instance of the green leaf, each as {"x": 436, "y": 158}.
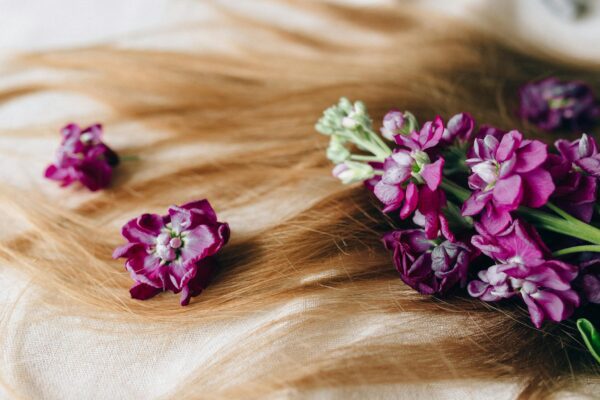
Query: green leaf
{"x": 591, "y": 337}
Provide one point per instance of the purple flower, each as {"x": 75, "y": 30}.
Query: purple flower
{"x": 410, "y": 179}
{"x": 582, "y": 153}
{"x": 576, "y": 189}
{"x": 174, "y": 251}
{"x": 589, "y": 278}
{"x": 397, "y": 123}
{"x": 459, "y": 129}
{"x": 83, "y": 157}
{"x": 551, "y": 104}
{"x": 427, "y": 268}
{"x": 507, "y": 173}
{"x": 522, "y": 270}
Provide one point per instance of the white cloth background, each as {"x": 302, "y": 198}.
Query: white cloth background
{"x": 69, "y": 358}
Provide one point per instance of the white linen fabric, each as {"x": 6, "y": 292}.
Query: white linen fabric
{"x": 64, "y": 357}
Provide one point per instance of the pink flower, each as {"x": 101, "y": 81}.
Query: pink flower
{"x": 460, "y": 128}
{"x": 410, "y": 179}
{"x": 174, "y": 251}
{"x": 575, "y": 172}
{"x": 425, "y": 267}
{"x": 507, "y": 173}
{"x": 582, "y": 153}
{"x": 522, "y": 270}
{"x": 83, "y": 157}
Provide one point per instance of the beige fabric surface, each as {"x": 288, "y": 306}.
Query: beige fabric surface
{"x": 63, "y": 357}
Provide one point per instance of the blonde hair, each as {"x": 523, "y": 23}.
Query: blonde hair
{"x": 237, "y": 129}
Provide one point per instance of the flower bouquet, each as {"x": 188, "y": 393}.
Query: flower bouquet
{"x": 486, "y": 210}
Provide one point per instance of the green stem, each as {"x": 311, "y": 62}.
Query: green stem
{"x": 572, "y": 227}
{"x": 561, "y": 212}
{"x": 357, "y": 157}
{"x": 384, "y": 147}
{"x": 129, "y": 158}
{"x": 457, "y": 191}
{"x": 577, "y": 249}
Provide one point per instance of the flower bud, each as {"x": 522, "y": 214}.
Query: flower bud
{"x": 337, "y": 152}
{"x": 351, "y": 172}
{"x": 398, "y": 123}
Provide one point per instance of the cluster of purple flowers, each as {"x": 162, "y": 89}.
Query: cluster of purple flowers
{"x": 506, "y": 172}
{"x": 469, "y": 194}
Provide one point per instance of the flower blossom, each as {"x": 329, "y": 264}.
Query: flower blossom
{"x": 411, "y": 180}
{"x": 83, "y": 157}
{"x": 506, "y": 173}
{"x": 575, "y": 172}
{"x": 398, "y": 123}
{"x": 522, "y": 270}
{"x": 459, "y": 129}
{"x": 425, "y": 267}
{"x": 551, "y": 104}
{"x": 589, "y": 278}
{"x": 174, "y": 251}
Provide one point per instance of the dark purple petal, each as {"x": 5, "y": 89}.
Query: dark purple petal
{"x": 143, "y": 229}
{"x": 142, "y": 291}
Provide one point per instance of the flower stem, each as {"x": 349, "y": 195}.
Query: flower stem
{"x": 561, "y": 212}
{"x": 574, "y": 228}
{"x": 577, "y": 249}
{"x": 571, "y": 227}
{"x": 457, "y": 191}
{"x": 357, "y": 157}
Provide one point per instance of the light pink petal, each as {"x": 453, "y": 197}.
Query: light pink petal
{"x": 432, "y": 174}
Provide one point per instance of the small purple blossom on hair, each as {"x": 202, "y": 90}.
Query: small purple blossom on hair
{"x": 83, "y": 157}
{"x": 173, "y": 252}
{"x": 551, "y": 104}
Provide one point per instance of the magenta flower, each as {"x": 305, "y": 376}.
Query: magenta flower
{"x": 575, "y": 171}
{"x": 522, "y": 270}
{"x": 589, "y": 278}
{"x": 393, "y": 122}
{"x": 83, "y": 157}
{"x": 410, "y": 179}
{"x": 582, "y": 153}
{"x": 174, "y": 251}
{"x": 459, "y": 129}
{"x": 551, "y": 104}
{"x": 507, "y": 173}
{"x": 427, "y": 268}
